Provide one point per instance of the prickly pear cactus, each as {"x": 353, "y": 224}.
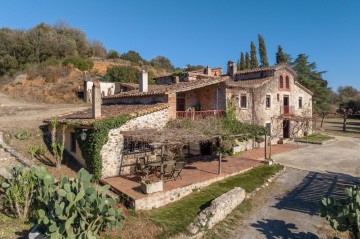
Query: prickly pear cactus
{"x": 343, "y": 214}
{"x": 74, "y": 208}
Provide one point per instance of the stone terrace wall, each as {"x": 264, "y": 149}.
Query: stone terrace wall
{"x": 111, "y": 153}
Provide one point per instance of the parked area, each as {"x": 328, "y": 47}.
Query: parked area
{"x": 197, "y": 173}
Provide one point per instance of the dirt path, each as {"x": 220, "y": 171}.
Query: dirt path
{"x": 16, "y": 114}
{"x": 288, "y": 208}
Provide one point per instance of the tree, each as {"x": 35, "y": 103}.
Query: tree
{"x": 247, "y": 61}
{"x": 189, "y": 67}
{"x": 112, "y": 54}
{"x": 133, "y": 56}
{"x": 242, "y": 61}
{"x": 253, "y": 58}
{"x": 312, "y": 79}
{"x": 349, "y": 102}
{"x": 262, "y": 50}
{"x": 98, "y": 49}
{"x": 282, "y": 57}
{"x": 125, "y": 74}
{"x": 162, "y": 62}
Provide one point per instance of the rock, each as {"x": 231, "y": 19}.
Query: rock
{"x": 34, "y": 234}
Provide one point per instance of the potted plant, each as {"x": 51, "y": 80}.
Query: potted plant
{"x": 152, "y": 185}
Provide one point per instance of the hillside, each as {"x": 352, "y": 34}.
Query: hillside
{"x": 61, "y": 84}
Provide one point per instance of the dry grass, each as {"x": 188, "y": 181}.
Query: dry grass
{"x": 334, "y": 126}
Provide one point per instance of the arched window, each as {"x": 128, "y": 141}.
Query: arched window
{"x": 287, "y": 82}
{"x": 281, "y": 83}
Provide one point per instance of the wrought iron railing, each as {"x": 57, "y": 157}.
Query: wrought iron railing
{"x": 287, "y": 110}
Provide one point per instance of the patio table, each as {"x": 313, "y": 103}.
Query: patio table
{"x": 154, "y": 166}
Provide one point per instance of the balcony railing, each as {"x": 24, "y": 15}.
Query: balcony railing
{"x": 287, "y": 110}
{"x": 198, "y": 115}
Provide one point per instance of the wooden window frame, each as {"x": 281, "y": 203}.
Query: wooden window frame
{"x": 241, "y": 101}
{"x": 287, "y": 82}
{"x": 300, "y": 102}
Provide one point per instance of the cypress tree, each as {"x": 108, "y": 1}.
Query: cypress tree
{"x": 262, "y": 50}
{"x": 280, "y": 56}
{"x": 247, "y": 61}
{"x": 253, "y": 58}
{"x": 238, "y": 65}
{"x": 242, "y": 62}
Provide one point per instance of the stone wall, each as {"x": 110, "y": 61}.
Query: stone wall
{"x": 111, "y": 153}
{"x": 217, "y": 211}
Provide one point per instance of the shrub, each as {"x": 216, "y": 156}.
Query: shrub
{"x": 74, "y": 208}
{"x": 113, "y": 55}
{"x": 126, "y": 74}
{"x": 20, "y": 191}
{"x": 78, "y": 62}
{"x": 23, "y": 134}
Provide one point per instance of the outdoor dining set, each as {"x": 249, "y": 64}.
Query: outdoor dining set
{"x": 166, "y": 169}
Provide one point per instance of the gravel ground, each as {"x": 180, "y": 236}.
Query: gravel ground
{"x": 288, "y": 208}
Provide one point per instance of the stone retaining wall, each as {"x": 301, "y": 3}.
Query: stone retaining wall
{"x": 217, "y": 211}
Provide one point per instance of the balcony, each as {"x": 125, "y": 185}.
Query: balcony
{"x": 198, "y": 115}
{"x": 287, "y": 110}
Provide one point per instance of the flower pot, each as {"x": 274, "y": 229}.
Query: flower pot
{"x": 151, "y": 187}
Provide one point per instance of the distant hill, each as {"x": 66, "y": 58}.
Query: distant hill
{"x": 42, "y": 64}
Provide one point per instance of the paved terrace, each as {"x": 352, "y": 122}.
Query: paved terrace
{"x": 199, "y": 172}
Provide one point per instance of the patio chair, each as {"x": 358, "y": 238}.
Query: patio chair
{"x": 177, "y": 170}
{"x": 168, "y": 172}
{"x": 141, "y": 168}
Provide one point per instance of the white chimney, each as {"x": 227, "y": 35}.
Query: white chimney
{"x": 96, "y": 100}
{"x": 231, "y": 68}
{"x": 143, "y": 82}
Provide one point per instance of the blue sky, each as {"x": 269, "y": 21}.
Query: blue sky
{"x": 210, "y": 32}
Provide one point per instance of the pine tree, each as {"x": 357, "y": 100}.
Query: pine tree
{"x": 247, "y": 61}
{"x": 253, "y": 58}
{"x": 262, "y": 50}
{"x": 238, "y": 65}
{"x": 281, "y": 57}
{"x": 242, "y": 62}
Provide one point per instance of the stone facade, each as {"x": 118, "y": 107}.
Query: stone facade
{"x": 111, "y": 153}
{"x": 256, "y": 110}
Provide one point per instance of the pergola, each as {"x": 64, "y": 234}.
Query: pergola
{"x": 175, "y": 138}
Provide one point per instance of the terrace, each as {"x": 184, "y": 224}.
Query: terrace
{"x": 198, "y": 172}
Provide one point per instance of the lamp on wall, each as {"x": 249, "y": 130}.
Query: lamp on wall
{"x": 83, "y": 134}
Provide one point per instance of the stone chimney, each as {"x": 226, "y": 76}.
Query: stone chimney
{"x": 176, "y": 79}
{"x": 208, "y": 71}
{"x": 231, "y": 68}
{"x": 143, "y": 81}
{"x": 96, "y": 100}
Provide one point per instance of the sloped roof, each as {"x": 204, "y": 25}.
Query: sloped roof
{"x": 270, "y": 68}
{"x": 172, "y": 88}
{"x": 253, "y": 83}
{"x": 85, "y": 117}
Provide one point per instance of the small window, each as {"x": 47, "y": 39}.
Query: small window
{"x": 300, "y": 102}
{"x": 132, "y": 147}
{"x": 268, "y": 101}
{"x": 287, "y": 82}
{"x": 243, "y": 101}
{"x": 281, "y": 83}
{"x": 72, "y": 142}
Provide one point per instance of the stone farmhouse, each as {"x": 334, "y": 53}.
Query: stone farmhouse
{"x": 268, "y": 96}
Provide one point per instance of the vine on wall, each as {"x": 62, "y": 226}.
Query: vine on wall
{"x": 96, "y": 138}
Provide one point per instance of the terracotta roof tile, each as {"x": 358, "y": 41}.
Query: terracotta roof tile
{"x": 85, "y": 117}
{"x": 262, "y": 69}
{"x": 172, "y": 88}
{"x": 253, "y": 83}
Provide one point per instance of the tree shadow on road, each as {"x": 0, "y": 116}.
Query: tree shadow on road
{"x": 306, "y": 196}
{"x": 280, "y": 229}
